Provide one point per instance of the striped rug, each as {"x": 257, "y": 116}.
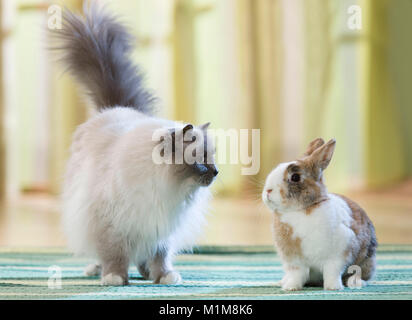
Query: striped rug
{"x": 208, "y": 273}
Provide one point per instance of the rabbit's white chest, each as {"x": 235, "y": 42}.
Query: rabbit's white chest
{"x": 322, "y": 234}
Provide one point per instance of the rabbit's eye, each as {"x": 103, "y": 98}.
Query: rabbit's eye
{"x": 295, "y": 177}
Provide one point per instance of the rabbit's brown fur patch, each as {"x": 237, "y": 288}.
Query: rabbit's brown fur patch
{"x": 287, "y": 245}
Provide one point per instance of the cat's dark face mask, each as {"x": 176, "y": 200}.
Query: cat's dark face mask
{"x": 206, "y": 173}
{"x": 203, "y": 171}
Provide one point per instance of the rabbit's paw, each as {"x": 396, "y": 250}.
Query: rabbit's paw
{"x": 292, "y": 285}
{"x": 333, "y": 285}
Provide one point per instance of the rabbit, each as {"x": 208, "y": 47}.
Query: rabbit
{"x": 318, "y": 235}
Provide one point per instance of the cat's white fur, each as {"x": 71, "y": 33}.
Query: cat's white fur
{"x": 112, "y": 182}
{"x": 325, "y": 234}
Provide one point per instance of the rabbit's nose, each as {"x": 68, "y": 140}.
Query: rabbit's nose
{"x": 269, "y": 190}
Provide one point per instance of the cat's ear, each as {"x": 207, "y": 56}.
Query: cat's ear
{"x": 313, "y": 146}
{"x": 205, "y": 126}
{"x": 172, "y": 133}
{"x": 322, "y": 155}
{"x": 187, "y": 128}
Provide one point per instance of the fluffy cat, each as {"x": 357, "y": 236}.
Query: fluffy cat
{"x": 118, "y": 205}
{"x": 318, "y": 235}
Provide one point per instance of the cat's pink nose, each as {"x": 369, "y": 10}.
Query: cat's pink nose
{"x": 269, "y": 190}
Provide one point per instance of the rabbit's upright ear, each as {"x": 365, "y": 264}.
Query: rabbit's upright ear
{"x": 313, "y": 146}
{"x": 322, "y": 155}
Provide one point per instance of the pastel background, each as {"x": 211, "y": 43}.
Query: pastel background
{"x": 292, "y": 68}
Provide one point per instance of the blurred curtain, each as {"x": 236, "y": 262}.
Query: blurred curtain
{"x": 230, "y": 75}
{"x": 389, "y": 94}
{"x": 37, "y": 127}
{"x": 268, "y": 53}
{"x": 399, "y": 63}
{"x": 67, "y": 111}
{"x": 333, "y": 106}
{"x": 351, "y": 93}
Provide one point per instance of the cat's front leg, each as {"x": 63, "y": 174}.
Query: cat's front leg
{"x": 295, "y": 277}
{"x": 144, "y": 270}
{"x": 114, "y": 263}
{"x": 114, "y": 272}
{"x": 161, "y": 269}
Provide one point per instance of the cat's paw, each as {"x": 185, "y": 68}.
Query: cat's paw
{"x": 113, "y": 280}
{"x": 171, "y": 277}
{"x": 93, "y": 269}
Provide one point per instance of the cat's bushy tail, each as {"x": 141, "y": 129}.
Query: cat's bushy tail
{"x": 96, "y": 50}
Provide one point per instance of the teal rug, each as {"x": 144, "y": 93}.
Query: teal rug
{"x": 208, "y": 273}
